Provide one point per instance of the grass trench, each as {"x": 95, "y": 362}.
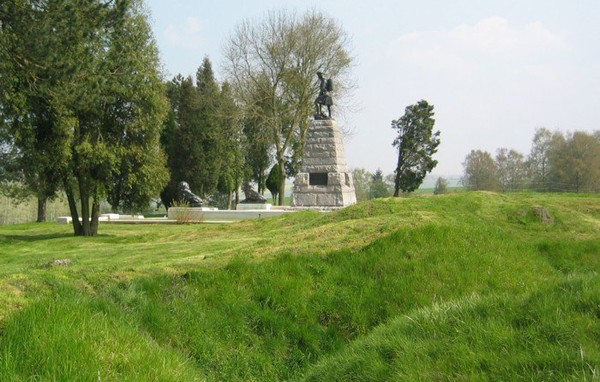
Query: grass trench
{"x": 466, "y": 286}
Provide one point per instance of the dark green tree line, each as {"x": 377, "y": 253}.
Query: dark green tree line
{"x": 203, "y": 138}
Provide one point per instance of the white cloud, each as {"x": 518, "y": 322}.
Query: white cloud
{"x": 465, "y": 47}
{"x": 544, "y": 72}
{"x": 431, "y": 57}
{"x": 187, "y": 36}
{"x": 494, "y": 35}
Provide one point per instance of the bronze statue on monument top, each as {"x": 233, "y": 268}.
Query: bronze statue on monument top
{"x": 324, "y": 97}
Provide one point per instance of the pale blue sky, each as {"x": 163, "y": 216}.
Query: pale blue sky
{"x": 494, "y": 70}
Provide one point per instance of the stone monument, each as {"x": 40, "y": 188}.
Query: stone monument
{"x": 324, "y": 180}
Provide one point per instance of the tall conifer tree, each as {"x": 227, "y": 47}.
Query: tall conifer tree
{"x": 416, "y": 143}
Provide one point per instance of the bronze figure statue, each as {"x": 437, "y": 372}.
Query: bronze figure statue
{"x": 324, "y": 97}
{"x": 186, "y": 195}
{"x": 252, "y": 196}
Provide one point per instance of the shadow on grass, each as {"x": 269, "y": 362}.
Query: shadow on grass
{"x": 39, "y": 237}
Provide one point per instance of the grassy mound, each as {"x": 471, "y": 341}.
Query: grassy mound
{"x": 447, "y": 287}
{"x": 550, "y": 334}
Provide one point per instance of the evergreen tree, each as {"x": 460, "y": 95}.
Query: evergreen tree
{"x": 208, "y": 132}
{"x": 273, "y": 182}
{"x": 233, "y": 163}
{"x": 85, "y": 100}
{"x": 136, "y": 115}
{"x": 416, "y": 143}
{"x": 29, "y": 76}
{"x": 258, "y": 152}
{"x": 378, "y": 188}
{"x": 182, "y": 139}
{"x": 203, "y": 138}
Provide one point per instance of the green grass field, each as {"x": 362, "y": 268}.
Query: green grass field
{"x": 465, "y": 286}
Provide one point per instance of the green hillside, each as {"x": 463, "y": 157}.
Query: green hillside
{"x": 464, "y": 286}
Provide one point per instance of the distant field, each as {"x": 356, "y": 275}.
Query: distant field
{"x": 461, "y": 286}
{"x": 424, "y": 190}
{"x": 15, "y": 211}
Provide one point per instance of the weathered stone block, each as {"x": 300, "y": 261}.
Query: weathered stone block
{"x": 302, "y": 200}
{"x": 301, "y": 179}
{"x": 331, "y": 199}
{"x": 334, "y": 178}
{"x": 348, "y": 180}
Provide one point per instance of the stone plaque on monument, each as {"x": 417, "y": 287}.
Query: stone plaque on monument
{"x": 324, "y": 180}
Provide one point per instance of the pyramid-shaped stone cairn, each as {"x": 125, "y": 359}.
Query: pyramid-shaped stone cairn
{"x": 324, "y": 180}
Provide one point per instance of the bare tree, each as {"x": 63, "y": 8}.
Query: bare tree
{"x": 511, "y": 170}
{"x": 481, "y": 172}
{"x": 575, "y": 163}
{"x": 538, "y": 166}
{"x": 272, "y": 65}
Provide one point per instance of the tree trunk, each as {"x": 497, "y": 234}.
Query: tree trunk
{"x": 77, "y": 228}
{"x": 397, "y": 180}
{"x": 281, "y": 187}
{"x": 95, "y": 216}
{"x": 261, "y": 181}
{"x": 84, "y": 195}
{"x": 41, "y": 209}
{"x": 85, "y": 216}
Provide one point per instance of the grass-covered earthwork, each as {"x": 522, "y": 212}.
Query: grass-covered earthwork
{"x": 468, "y": 286}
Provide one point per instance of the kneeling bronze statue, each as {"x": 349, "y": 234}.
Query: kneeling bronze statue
{"x": 252, "y": 196}
{"x": 187, "y": 196}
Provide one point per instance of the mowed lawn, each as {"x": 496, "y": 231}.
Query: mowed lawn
{"x": 460, "y": 286}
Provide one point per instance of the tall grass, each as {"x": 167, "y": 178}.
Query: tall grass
{"x": 465, "y": 286}
{"x": 550, "y": 334}
{"x": 71, "y": 336}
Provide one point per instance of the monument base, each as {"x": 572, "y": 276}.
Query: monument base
{"x": 253, "y": 206}
{"x": 338, "y": 192}
{"x": 324, "y": 179}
